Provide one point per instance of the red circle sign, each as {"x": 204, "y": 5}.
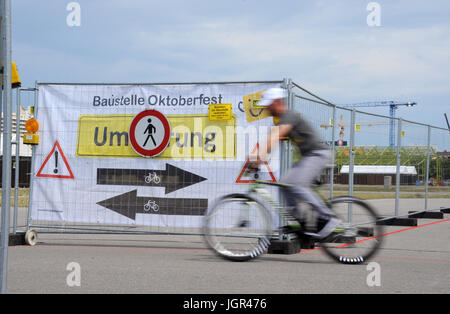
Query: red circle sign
{"x": 149, "y": 133}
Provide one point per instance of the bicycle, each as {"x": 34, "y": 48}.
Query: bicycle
{"x": 239, "y": 227}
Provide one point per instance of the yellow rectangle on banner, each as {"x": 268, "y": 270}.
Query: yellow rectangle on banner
{"x": 219, "y": 112}
{"x": 252, "y": 111}
{"x": 192, "y": 137}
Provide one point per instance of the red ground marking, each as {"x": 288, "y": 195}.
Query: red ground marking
{"x": 394, "y": 232}
{"x": 383, "y": 235}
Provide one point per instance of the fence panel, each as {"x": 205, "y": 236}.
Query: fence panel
{"x": 413, "y": 140}
{"x": 343, "y": 151}
{"x": 320, "y": 117}
{"x": 439, "y": 170}
{"x": 371, "y": 151}
{"x": 375, "y": 160}
{"x": 87, "y": 176}
{"x": 23, "y": 101}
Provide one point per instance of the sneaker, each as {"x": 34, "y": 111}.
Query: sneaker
{"x": 327, "y": 229}
{"x": 291, "y": 228}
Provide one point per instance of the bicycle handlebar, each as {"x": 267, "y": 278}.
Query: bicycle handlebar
{"x": 252, "y": 169}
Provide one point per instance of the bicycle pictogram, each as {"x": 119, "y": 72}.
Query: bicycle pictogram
{"x": 152, "y": 177}
{"x": 151, "y": 205}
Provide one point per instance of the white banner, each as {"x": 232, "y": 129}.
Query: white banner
{"x": 88, "y": 170}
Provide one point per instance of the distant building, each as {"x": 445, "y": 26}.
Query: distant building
{"x": 444, "y": 154}
{"x": 374, "y": 175}
{"x": 24, "y": 150}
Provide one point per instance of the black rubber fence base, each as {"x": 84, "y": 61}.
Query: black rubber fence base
{"x": 284, "y": 247}
{"x": 445, "y": 210}
{"x": 426, "y": 214}
{"x": 394, "y": 221}
{"x": 17, "y": 239}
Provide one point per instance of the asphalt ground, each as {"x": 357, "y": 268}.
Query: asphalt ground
{"x": 412, "y": 260}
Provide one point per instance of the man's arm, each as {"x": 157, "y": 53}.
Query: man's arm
{"x": 276, "y": 134}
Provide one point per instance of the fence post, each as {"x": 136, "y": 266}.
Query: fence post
{"x": 6, "y": 159}
{"x": 397, "y": 176}
{"x": 333, "y": 129}
{"x": 17, "y": 161}
{"x": 3, "y": 232}
{"x": 33, "y": 156}
{"x": 351, "y": 165}
{"x": 291, "y": 107}
{"x": 427, "y": 175}
{"x": 284, "y": 152}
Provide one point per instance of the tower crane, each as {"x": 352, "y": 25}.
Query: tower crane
{"x": 393, "y": 106}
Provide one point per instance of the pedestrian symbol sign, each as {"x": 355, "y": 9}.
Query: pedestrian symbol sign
{"x": 149, "y": 133}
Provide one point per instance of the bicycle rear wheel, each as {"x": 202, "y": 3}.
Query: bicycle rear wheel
{"x": 238, "y": 227}
{"x": 359, "y": 237}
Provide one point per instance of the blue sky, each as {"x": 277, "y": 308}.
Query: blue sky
{"x": 325, "y": 46}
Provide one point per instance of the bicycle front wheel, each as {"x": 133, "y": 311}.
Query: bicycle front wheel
{"x": 238, "y": 227}
{"x": 358, "y": 237}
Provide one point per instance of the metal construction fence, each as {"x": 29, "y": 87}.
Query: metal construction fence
{"x": 364, "y": 162}
{"x": 395, "y": 164}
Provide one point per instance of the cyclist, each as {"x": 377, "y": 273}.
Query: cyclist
{"x": 315, "y": 157}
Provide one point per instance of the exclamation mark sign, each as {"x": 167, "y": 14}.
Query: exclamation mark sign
{"x": 56, "y": 162}
{"x": 55, "y": 165}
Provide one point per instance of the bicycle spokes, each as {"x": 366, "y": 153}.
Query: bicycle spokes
{"x": 238, "y": 228}
{"x": 358, "y": 237}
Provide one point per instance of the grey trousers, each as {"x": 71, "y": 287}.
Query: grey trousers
{"x": 301, "y": 176}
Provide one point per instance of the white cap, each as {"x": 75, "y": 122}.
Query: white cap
{"x": 270, "y": 95}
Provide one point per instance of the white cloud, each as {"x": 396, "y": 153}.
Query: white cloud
{"x": 411, "y": 60}
{"x": 325, "y": 46}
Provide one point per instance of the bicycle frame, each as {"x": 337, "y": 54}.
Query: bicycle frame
{"x": 257, "y": 189}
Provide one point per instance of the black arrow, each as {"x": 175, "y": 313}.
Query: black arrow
{"x": 129, "y": 204}
{"x": 172, "y": 178}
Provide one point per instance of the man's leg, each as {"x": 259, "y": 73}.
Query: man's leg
{"x": 301, "y": 177}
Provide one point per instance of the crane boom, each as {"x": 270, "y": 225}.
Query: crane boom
{"x": 393, "y": 106}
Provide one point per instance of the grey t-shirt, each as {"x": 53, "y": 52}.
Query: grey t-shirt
{"x": 301, "y": 134}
